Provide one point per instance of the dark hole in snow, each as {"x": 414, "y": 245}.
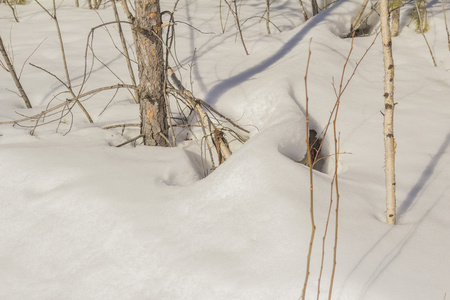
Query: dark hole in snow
{"x": 364, "y": 30}
{"x": 316, "y": 151}
{"x": 366, "y": 27}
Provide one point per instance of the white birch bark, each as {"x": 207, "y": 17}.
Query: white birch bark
{"x": 389, "y": 141}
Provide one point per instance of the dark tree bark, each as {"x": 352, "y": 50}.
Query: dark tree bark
{"x": 315, "y": 7}
{"x": 154, "y": 125}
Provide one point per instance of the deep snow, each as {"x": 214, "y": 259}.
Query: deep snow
{"x": 81, "y": 219}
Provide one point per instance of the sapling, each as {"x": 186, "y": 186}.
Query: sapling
{"x": 418, "y": 16}
{"x": 334, "y": 183}
{"x": 311, "y": 183}
{"x": 422, "y": 25}
{"x": 389, "y": 141}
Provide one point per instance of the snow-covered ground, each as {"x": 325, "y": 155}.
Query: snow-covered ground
{"x": 81, "y": 219}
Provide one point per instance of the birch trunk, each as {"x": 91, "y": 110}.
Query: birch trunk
{"x": 389, "y": 141}
{"x": 154, "y": 125}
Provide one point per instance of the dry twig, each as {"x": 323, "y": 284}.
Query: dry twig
{"x": 13, "y": 74}
{"x": 311, "y": 185}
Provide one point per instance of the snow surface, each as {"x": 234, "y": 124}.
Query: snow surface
{"x": 81, "y": 219}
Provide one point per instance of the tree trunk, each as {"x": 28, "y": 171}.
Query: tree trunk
{"x": 389, "y": 141}
{"x": 268, "y": 15}
{"x": 315, "y": 7}
{"x": 154, "y": 125}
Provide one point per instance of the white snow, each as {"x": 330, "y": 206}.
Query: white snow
{"x": 82, "y": 219}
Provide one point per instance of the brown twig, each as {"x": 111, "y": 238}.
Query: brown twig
{"x": 39, "y": 115}
{"x": 305, "y": 16}
{"x": 14, "y": 75}
{"x": 423, "y": 34}
{"x": 221, "y": 21}
{"x": 203, "y": 118}
{"x": 125, "y": 49}
{"x": 311, "y": 185}
{"x": 13, "y": 11}
{"x": 63, "y": 53}
{"x": 130, "y": 141}
{"x": 336, "y": 162}
{"x": 238, "y": 25}
{"x": 264, "y": 18}
{"x": 122, "y": 125}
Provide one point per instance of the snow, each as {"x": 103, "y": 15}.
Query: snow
{"x": 81, "y": 219}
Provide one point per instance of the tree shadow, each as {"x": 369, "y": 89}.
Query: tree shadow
{"x": 426, "y": 175}
{"x": 395, "y": 252}
{"x": 218, "y": 90}
{"x": 397, "y": 249}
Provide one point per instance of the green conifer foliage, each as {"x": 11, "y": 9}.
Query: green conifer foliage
{"x": 418, "y": 16}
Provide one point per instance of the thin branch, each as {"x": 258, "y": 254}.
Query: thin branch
{"x": 122, "y": 125}
{"x": 37, "y": 116}
{"x": 130, "y": 141}
{"x": 63, "y": 53}
{"x": 238, "y": 25}
{"x": 125, "y": 49}
{"x": 29, "y": 56}
{"x": 51, "y": 74}
{"x": 13, "y": 11}
{"x": 423, "y": 34}
{"x": 263, "y": 19}
{"x": 216, "y": 134}
{"x": 311, "y": 186}
{"x": 305, "y": 16}
{"x": 14, "y": 75}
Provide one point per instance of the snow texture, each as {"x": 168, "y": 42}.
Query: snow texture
{"x": 81, "y": 219}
